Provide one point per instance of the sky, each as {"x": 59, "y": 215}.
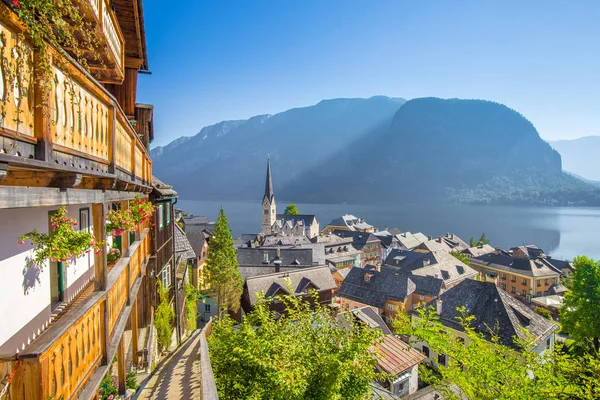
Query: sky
{"x": 215, "y": 60}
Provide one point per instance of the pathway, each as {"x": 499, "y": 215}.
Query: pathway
{"x": 176, "y": 377}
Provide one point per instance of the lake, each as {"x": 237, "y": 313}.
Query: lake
{"x": 563, "y": 232}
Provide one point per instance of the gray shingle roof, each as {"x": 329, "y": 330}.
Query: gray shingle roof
{"x": 504, "y": 261}
{"x": 302, "y": 219}
{"x": 410, "y": 241}
{"x": 161, "y": 188}
{"x": 182, "y": 245}
{"x": 318, "y": 277}
{"x": 478, "y": 251}
{"x": 368, "y": 316}
{"x": 494, "y": 311}
{"x": 195, "y": 219}
{"x": 196, "y": 240}
{"x": 305, "y": 255}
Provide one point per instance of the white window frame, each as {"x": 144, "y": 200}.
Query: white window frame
{"x": 165, "y": 276}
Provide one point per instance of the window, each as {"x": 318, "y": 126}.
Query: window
{"x": 207, "y": 308}
{"x": 513, "y": 278}
{"x": 166, "y": 275}
{"x": 524, "y": 281}
{"x": 545, "y": 281}
{"x": 538, "y": 294}
{"x": 523, "y": 293}
{"x": 160, "y": 217}
{"x": 442, "y": 359}
{"x": 84, "y": 219}
{"x": 426, "y": 351}
{"x": 504, "y": 286}
{"x": 548, "y": 344}
{"x": 391, "y": 307}
{"x": 503, "y": 275}
{"x": 545, "y": 293}
{"x": 513, "y": 289}
{"x": 168, "y": 210}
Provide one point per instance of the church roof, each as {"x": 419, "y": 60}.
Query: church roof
{"x": 292, "y": 220}
{"x": 269, "y": 184}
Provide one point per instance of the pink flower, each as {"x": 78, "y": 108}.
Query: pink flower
{"x": 75, "y": 223}
{"x": 97, "y": 251}
{"x": 21, "y": 242}
{"x": 111, "y": 397}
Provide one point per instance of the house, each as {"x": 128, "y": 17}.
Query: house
{"x": 439, "y": 264}
{"x": 347, "y": 222}
{"x": 339, "y": 251}
{"x": 433, "y": 245}
{"x": 478, "y": 251}
{"x": 81, "y": 143}
{"x": 299, "y": 282}
{"x": 388, "y": 290}
{"x": 524, "y": 272}
{"x": 389, "y": 242}
{"x": 196, "y": 223}
{"x": 371, "y": 250}
{"x": 399, "y": 360}
{"x": 268, "y": 260}
{"x": 409, "y": 241}
{"x": 495, "y": 312}
{"x": 199, "y": 242}
{"x": 454, "y": 242}
{"x": 184, "y": 259}
{"x": 339, "y": 274}
{"x": 290, "y": 225}
{"x": 366, "y": 315}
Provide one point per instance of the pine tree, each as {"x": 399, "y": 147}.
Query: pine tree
{"x": 222, "y": 267}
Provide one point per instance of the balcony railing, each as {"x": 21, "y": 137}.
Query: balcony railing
{"x": 63, "y": 358}
{"x": 80, "y": 127}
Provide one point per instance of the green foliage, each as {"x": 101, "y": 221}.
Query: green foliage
{"x": 119, "y": 222}
{"x": 222, "y": 269}
{"x": 191, "y": 307}
{"x": 291, "y": 209}
{"x": 462, "y": 257}
{"x": 484, "y": 369}
{"x": 131, "y": 381}
{"x": 108, "y": 387}
{"x": 482, "y": 240}
{"x": 164, "y": 318}
{"x": 63, "y": 243}
{"x": 113, "y": 254}
{"x": 304, "y": 354}
{"x": 580, "y": 314}
{"x": 543, "y": 312}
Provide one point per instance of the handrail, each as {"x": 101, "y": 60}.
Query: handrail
{"x": 209, "y": 387}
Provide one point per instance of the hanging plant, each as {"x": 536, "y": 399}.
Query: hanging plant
{"x": 113, "y": 255}
{"x": 120, "y": 222}
{"x": 142, "y": 210}
{"x": 63, "y": 243}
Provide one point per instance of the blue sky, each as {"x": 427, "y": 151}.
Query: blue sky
{"x": 213, "y": 60}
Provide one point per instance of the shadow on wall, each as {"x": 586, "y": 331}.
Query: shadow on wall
{"x": 31, "y": 275}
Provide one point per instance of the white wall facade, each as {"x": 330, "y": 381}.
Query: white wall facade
{"x": 27, "y": 288}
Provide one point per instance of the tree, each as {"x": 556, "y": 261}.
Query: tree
{"x": 223, "y": 275}
{"x": 291, "y": 209}
{"x": 303, "y": 354}
{"x": 482, "y": 240}
{"x": 461, "y": 257}
{"x": 479, "y": 367}
{"x": 580, "y": 313}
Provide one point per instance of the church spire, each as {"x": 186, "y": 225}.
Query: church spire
{"x": 269, "y": 184}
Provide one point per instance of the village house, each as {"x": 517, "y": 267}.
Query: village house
{"x": 199, "y": 242}
{"x": 524, "y": 271}
{"x": 495, "y": 312}
{"x": 268, "y": 260}
{"x": 371, "y": 250}
{"x": 437, "y": 244}
{"x": 284, "y": 224}
{"x": 389, "y": 242}
{"x": 409, "y": 241}
{"x": 388, "y": 290}
{"x": 478, "y": 251}
{"x": 196, "y": 223}
{"x": 339, "y": 251}
{"x": 347, "y": 223}
{"x": 439, "y": 264}
{"x": 78, "y": 140}
{"x": 454, "y": 242}
{"x": 299, "y": 282}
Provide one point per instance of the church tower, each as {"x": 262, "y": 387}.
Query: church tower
{"x": 268, "y": 203}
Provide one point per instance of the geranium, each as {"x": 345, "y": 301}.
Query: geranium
{"x": 141, "y": 210}
{"x": 63, "y": 242}
{"x": 119, "y": 222}
{"x": 113, "y": 255}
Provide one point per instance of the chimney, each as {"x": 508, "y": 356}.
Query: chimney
{"x": 429, "y": 237}
{"x": 378, "y": 267}
{"x": 440, "y": 240}
{"x": 278, "y": 252}
{"x": 426, "y": 262}
{"x": 438, "y": 306}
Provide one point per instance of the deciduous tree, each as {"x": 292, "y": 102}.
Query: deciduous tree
{"x": 223, "y": 275}
{"x": 291, "y": 209}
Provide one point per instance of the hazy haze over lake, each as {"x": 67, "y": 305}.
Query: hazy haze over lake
{"x": 560, "y": 231}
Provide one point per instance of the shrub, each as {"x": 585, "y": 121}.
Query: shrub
{"x": 108, "y": 387}
{"x": 131, "y": 381}
{"x": 164, "y": 318}
{"x": 543, "y": 312}
{"x": 191, "y": 306}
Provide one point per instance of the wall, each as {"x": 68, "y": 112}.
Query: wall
{"x": 29, "y": 287}
{"x": 206, "y": 315}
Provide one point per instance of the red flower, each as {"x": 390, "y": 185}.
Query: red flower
{"x": 21, "y": 242}
{"x": 16, "y": 3}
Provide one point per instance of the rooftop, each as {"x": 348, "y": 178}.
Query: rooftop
{"x": 182, "y": 245}
{"x": 395, "y": 356}
{"x": 517, "y": 262}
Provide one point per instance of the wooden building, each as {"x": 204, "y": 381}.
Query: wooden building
{"x": 76, "y": 143}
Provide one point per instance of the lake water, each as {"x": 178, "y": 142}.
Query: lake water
{"x": 562, "y": 232}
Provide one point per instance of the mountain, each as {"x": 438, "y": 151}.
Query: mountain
{"x": 580, "y": 156}
{"x": 471, "y": 151}
{"x": 228, "y": 160}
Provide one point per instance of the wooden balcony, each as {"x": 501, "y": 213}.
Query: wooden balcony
{"x": 74, "y": 135}
{"x": 70, "y": 357}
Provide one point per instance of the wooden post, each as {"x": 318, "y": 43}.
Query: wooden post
{"x": 112, "y": 138}
{"x": 134, "y": 332}
{"x": 125, "y": 236}
{"x": 121, "y": 366}
{"x": 42, "y": 121}
{"x": 101, "y": 271}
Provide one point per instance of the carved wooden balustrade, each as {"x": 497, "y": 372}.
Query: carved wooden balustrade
{"x": 63, "y": 358}
{"x": 75, "y": 127}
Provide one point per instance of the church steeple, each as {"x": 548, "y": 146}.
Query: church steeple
{"x": 269, "y": 184}
{"x": 269, "y": 208}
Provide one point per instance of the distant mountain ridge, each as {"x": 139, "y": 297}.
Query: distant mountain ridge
{"x": 376, "y": 150}
{"x": 580, "y": 156}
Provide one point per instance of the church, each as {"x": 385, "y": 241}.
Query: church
{"x": 284, "y": 224}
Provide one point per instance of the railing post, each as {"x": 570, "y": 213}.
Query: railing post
{"x": 112, "y": 137}
{"x": 133, "y": 148}
{"x": 99, "y": 226}
{"x": 42, "y": 121}
{"x": 134, "y": 332}
{"x": 121, "y": 365}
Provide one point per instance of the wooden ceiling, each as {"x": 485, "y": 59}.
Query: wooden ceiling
{"x": 130, "y": 15}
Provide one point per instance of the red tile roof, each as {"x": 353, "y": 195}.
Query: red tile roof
{"x": 395, "y": 356}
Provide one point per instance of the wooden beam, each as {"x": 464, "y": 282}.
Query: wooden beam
{"x": 65, "y": 180}
{"x": 121, "y": 366}
{"x": 22, "y": 197}
{"x": 134, "y": 332}
{"x": 41, "y": 179}
{"x": 99, "y": 226}
{"x": 3, "y": 171}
